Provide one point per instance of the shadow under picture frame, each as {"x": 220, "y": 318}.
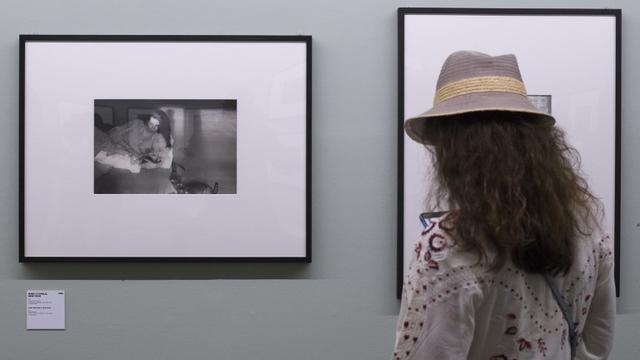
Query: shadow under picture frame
{"x": 547, "y": 43}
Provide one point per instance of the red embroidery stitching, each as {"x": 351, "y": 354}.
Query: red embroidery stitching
{"x": 542, "y": 347}
{"x": 427, "y": 255}
{"x": 523, "y": 344}
{"x": 437, "y": 242}
{"x": 418, "y": 250}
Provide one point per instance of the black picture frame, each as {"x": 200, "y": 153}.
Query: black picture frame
{"x": 403, "y": 13}
{"x": 296, "y": 73}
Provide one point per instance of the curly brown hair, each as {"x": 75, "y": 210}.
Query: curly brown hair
{"x": 514, "y": 187}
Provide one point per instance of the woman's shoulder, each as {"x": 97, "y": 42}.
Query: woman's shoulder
{"x": 437, "y": 250}
{"x": 596, "y": 248}
{"x": 440, "y": 270}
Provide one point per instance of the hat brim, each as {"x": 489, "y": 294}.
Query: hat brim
{"x": 475, "y": 102}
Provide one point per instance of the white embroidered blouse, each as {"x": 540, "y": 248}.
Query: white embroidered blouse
{"x": 453, "y": 308}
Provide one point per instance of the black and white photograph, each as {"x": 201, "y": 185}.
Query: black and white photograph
{"x": 541, "y": 102}
{"x": 576, "y": 67}
{"x": 154, "y": 148}
{"x": 165, "y": 146}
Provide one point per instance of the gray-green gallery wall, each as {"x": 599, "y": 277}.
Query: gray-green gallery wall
{"x": 342, "y": 305}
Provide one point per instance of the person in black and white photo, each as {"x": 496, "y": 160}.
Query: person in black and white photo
{"x": 165, "y": 147}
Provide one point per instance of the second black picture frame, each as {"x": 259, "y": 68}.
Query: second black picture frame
{"x": 570, "y": 60}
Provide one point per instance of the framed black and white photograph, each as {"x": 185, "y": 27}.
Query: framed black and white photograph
{"x": 165, "y": 148}
{"x": 570, "y": 61}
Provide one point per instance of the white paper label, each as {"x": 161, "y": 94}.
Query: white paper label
{"x": 45, "y": 310}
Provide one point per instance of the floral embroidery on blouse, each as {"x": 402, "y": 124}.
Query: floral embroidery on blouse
{"x": 542, "y": 347}
{"x": 536, "y": 328}
{"x": 437, "y": 242}
{"x": 524, "y": 345}
{"x": 425, "y": 286}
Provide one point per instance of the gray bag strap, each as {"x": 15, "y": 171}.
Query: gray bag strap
{"x": 573, "y": 336}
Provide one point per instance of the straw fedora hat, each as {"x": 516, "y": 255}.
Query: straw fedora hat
{"x": 472, "y": 81}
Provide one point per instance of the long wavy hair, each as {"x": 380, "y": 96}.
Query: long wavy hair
{"x": 514, "y": 187}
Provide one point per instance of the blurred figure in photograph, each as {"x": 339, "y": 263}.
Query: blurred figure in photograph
{"x": 143, "y": 143}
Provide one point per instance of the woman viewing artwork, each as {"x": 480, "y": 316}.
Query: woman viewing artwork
{"x": 518, "y": 268}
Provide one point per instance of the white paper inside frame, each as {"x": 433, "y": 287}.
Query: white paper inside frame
{"x": 266, "y": 218}
{"x": 571, "y": 58}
